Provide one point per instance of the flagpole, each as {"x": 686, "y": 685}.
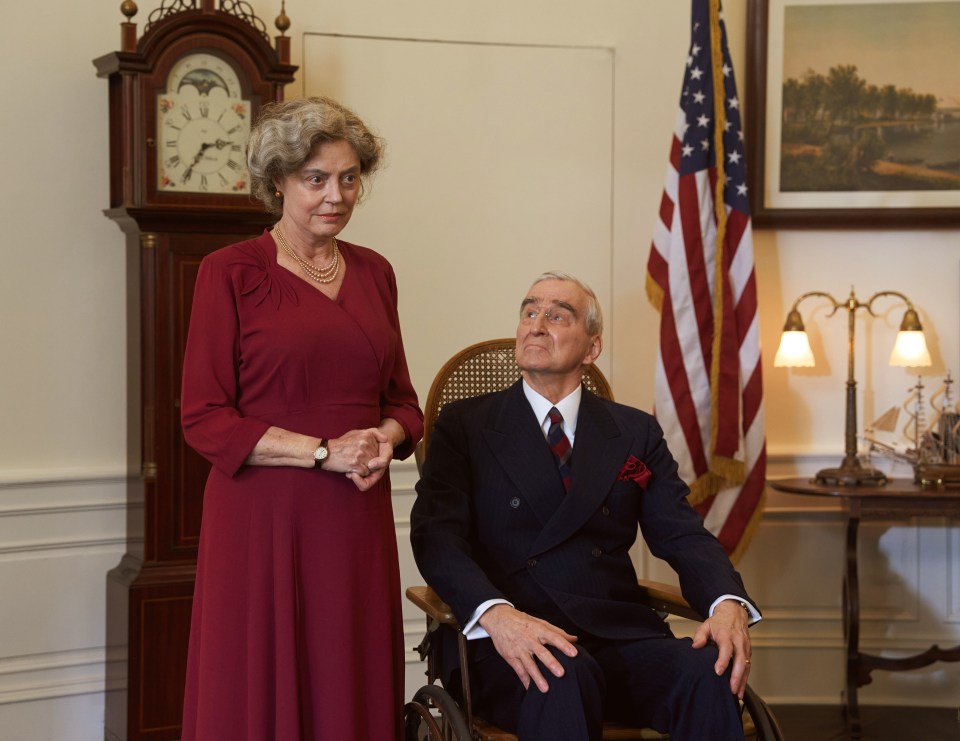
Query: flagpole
{"x": 720, "y": 470}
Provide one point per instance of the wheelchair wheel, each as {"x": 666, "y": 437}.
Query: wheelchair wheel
{"x": 433, "y": 715}
{"x": 763, "y": 718}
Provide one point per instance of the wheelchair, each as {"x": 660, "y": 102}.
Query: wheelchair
{"x": 434, "y": 714}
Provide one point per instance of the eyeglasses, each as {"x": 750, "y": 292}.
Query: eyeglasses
{"x": 557, "y": 316}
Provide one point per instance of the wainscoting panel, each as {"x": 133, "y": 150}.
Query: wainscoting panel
{"x": 60, "y": 532}
{"x": 59, "y": 537}
{"x": 953, "y": 576}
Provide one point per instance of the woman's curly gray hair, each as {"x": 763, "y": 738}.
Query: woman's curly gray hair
{"x": 286, "y": 133}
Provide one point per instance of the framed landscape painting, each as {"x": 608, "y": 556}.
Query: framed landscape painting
{"x": 854, "y": 112}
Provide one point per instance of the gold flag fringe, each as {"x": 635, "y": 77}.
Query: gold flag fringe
{"x": 654, "y": 293}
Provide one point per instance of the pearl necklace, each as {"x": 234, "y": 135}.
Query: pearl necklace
{"x": 326, "y": 274}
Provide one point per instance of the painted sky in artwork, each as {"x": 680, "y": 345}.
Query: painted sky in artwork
{"x": 909, "y": 45}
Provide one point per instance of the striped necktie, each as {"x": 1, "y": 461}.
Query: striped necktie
{"x": 560, "y": 445}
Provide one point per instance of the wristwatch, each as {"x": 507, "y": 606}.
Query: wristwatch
{"x": 321, "y": 453}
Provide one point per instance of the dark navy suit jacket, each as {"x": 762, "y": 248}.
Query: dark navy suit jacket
{"x": 492, "y": 520}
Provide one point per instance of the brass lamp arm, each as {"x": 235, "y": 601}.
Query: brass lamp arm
{"x": 850, "y": 470}
{"x": 852, "y": 303}
{"x": 836, "y": 304}
{"x": 794, "y": 321}
{"x": 879, "y": 294}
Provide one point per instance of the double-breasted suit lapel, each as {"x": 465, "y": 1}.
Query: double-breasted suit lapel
{"x": 599, "y": 450}
{"x": 517, "y": 442}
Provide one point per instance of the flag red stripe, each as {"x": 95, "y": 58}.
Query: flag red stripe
{"x": 748, "y": 501}
{"x": 752, "y": 397}
{"x": 699, "y": 280}
{"x": 679, "y": 384}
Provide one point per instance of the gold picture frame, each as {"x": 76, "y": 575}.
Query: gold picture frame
{"x": 825, "y": 148}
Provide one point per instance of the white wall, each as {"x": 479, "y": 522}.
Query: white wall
{"x": 63, "y": 375}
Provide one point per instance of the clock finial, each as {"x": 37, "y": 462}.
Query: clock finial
{"x": 128, "y": 29}
{"x": 283, "y": 21}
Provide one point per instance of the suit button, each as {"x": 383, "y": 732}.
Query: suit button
{"x": 532, "y": 562}
{"x": 515, "y": 502}
{"x": 596, "y": 553}
{"x": 606, "y": 511}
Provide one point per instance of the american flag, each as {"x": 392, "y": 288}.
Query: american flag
{"x": 701, "y": 278}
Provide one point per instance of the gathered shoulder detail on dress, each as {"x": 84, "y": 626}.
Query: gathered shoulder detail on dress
{"x": 256, "y": 272}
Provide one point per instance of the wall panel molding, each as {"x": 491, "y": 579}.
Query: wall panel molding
{"x": 47, "y": 512}
{"x": 953, "y": 580}
{"x": 31, "y": 477}
{"x": 43, "y": 548}
{"x": 56, "y": 674}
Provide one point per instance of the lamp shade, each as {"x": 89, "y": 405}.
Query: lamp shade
{"x": 794, "y": 350}
{"x": 910, "y": 350}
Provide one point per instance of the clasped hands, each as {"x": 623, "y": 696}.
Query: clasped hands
{"x": 522, "y": 639}
{"x": 362, "y": 455}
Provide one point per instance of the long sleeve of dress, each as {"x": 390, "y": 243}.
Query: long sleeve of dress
{"x": 212, "y": 422}
{"x": 399, "y": 400}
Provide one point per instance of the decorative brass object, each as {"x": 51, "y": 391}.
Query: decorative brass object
{"x": 910, "y": 350}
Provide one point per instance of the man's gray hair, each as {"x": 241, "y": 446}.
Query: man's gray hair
{"x": 594, "y": 318}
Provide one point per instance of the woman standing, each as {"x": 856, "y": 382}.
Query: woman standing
{"x": 296, "y": 389}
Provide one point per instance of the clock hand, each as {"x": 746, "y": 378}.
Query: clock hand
{"x": 203, "y": 148}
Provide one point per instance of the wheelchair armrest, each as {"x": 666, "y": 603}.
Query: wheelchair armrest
{"x": 428, "y": 601}
{"x": 667, "y": 598}
{"x": 657, "y": 595}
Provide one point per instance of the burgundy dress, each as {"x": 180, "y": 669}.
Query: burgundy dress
{"x": 296, "y": 632}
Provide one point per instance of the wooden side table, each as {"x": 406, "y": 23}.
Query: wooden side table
{"x": 897, "y": 499}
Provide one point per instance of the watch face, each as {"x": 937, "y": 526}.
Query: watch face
{"x": 202, "y": 128}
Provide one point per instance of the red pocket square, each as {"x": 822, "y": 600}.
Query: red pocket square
{"x": 635, "y": 470}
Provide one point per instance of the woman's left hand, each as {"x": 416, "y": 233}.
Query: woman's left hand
{"x": 357, "y": 452}
{"x": 387, "y": 436}
{"x": 377, "y": 466}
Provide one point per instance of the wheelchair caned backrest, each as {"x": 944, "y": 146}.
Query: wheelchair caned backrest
{"x": 482, "y": 368}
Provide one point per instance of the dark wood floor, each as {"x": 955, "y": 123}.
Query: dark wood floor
{"x": 880, "y": 723}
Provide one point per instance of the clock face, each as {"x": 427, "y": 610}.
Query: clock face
{"x": 202, "y": 128}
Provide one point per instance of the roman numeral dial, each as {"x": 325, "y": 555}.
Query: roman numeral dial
{"x": 202, "y": 129}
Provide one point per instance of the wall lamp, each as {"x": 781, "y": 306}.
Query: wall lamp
{"x": 910, "y": 350}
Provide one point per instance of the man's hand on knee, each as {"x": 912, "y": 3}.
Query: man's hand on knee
{"x": 727, "y": 628}
{"x": 521, "y": 639}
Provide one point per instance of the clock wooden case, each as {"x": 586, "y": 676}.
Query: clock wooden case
{"x": 181, "y": 101}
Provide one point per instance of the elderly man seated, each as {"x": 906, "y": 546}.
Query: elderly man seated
{"x": 526, "y": 510}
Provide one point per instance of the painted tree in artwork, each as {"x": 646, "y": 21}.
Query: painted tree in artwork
{"x": 843, "y": 133}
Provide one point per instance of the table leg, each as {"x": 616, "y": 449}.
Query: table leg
{"x": 851, "y": 629}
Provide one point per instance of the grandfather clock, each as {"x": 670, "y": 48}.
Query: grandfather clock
{"x": 182, "y": 97}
